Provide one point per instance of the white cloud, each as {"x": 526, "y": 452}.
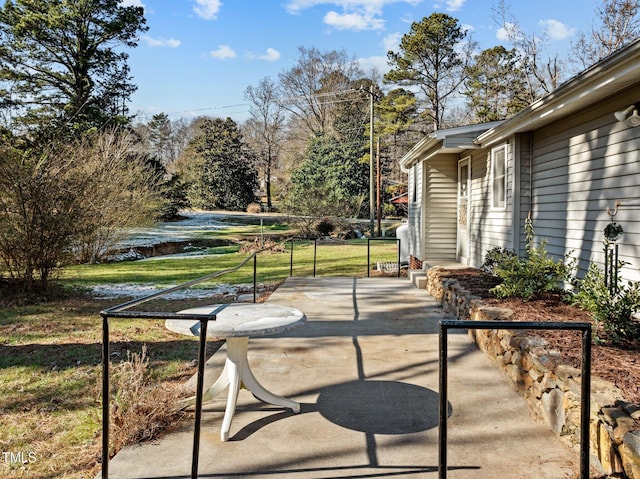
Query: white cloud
{"x": 223, "y": 52}
{"x": 131, "y": 3}
{"x": 353, "y": 14}
{"x": 296, "y": 6}
{"x": 392, "y": 41}
{"x": 455, "y": 5}
{"x": 271, "y": 55}
{"x": 557, "y": 30}
{"x": 161, "y": 42}
{"x": 353, "y": 21}
{"x": 207, "y": 9}
{"x": 374, "y": 64}
{"x": 506, "y": 32}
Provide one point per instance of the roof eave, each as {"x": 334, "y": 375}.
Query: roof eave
{"x": 596, "y": 83}
{"x": 446, "y": 141}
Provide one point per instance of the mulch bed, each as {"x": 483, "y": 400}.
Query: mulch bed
{"x": 619, "y": 364}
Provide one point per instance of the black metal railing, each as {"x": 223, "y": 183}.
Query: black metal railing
{"x": 315, "y": 254}
{"x": 124, "y": 311}
{"x": 585, "y": 328}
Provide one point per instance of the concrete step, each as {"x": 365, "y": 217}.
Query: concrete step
{"x": 418, "y": 278}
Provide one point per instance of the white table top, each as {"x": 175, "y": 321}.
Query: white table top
{"x": 240, "y": 320}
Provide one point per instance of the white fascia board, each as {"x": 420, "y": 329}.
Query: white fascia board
{"x": 417, "y": 153}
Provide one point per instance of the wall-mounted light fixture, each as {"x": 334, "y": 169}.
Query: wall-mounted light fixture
{"x": 629, "y": 115}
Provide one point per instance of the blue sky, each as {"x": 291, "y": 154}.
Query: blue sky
{"x": 198, "y": 56}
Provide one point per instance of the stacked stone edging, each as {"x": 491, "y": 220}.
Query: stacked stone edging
{"x": 551, "y": 389}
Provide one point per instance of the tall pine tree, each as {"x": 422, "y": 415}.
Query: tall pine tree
{"x": 63, "y": 61}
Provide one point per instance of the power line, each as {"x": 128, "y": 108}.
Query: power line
{"x": 279, "y": 100}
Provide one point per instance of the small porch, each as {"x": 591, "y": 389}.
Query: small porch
{"x": 365, "y": 369}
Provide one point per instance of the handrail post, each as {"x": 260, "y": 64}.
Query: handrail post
{"x": 368, "y": 257}
{"x": 255, "y": 276}
{"x": 398, "y": 243}
{"x": 315, "y": 249}
{"x": 442, "y": 391}
{"x": 585, "y": 402}
{"x": 202, "y": 352}
{"x": 291, "y": 260}
{"x": 585, "y": 407}
{"x": 105, "y": 396}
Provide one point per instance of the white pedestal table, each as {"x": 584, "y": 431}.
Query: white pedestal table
{"x": 237, "y": 322}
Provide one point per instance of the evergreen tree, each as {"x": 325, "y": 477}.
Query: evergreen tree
{"x": 433, "y": 57}
{"x": 63, "y": 60}
{"x": 331, "y": 181}
{"x": 223, "y": 173}
{"x": 495, "y": 86}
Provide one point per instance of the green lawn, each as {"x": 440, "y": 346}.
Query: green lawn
{"x": 50, "y": 353}
{"x": 348, "y": 259}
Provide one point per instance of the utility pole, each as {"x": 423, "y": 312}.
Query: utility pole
{"x": 371, "y": 192}
{"x": 378, "y": 188}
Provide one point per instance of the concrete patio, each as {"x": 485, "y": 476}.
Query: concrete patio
{"x": 365, "y": 369}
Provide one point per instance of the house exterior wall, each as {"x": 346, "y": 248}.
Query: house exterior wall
{"x": 569, "y": 165}
{"x": 582, "y": 166}
{"x": 440, "y": 215}
{"x": 488, "y": 227}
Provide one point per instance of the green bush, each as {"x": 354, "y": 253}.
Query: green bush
{"x": 528, "y": 277}
{"x": 611, "y": 311}
{"x": 388, "y": 210}
{"x": 495, "y": 257}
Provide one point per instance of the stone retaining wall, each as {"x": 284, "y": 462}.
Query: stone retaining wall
{"x": 552, "y": 390}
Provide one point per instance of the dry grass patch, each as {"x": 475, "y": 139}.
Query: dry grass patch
{"x": 140, "y": 407}
{"x": 50, "y": 385}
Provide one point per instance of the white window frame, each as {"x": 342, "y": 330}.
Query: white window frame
{"x": 498, "y": 178}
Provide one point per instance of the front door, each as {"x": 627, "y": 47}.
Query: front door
{"x": 464, "y": 185}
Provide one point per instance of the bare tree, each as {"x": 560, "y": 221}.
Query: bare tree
{"x": 543, "y": 71}
{"x": 119, "y": 192}
{"x": 312, "y": 88}
{"x": 264, "y": 131}
{"x": 163, "y": 138}
{"x": 617, "y": 24}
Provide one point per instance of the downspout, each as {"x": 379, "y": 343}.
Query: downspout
{"x": 530, "y": 174}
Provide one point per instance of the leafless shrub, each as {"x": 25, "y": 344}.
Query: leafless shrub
{"x": 58, "y": 200}
{"x": 119, "y": 193}
{"x": 259, "y": 244}
{"x": 254, "y": 208}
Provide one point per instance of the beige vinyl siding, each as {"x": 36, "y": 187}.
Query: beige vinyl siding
{"x": 488, "y": 227}
{"x": 441, "y": 196}
{"x": 581, "y": 167}
{"x": 522, "y": 184}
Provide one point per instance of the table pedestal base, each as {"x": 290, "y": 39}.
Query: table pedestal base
{"x": 235, "y": 374}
